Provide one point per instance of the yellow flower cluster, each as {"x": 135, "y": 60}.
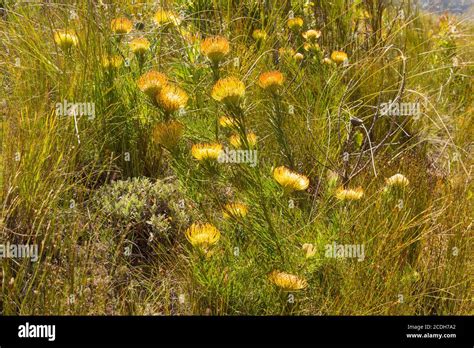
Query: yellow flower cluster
{"x": 287, "y": 281}
{"x": 168, "y": 134}
{"x": 121, "y": 25}
{"x": 205, "y": 151}
{"x": 215, "y": 48}
{"x": 65, "y": 39}
{"x": 229, "y": 90}
{"x": 290, "y": 180}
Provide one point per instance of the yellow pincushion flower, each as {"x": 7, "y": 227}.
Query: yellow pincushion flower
{"x": 121, "y": 25}
{"x": 229, "y": 90}
{"x": 287, "y": 281}
{"x": 215, "y": 48}
{"x": 295, "y": 23}
{"x": 163, "y": 18}
{"x": 338, "y": 57}
{"x": 349, "y": 194}
{"x": 205, "y": 151}
{"x": 290, "y": 180}
{"x": 112, "y": 62}
{"x": 312, "y": 35}
{"x": 236, "y": 141}
{"x": 235, "y": 210}
{"x": 271, "y": 80}
{"x": 168, "y": 134}
{"x": 65, "y": 39}
{"x": 202, "y": 235}
{"x": 171, "y": 98}
{"x": 152, "y": 82}
{"x": 227, "y": 122}
{"x": 259, "y": 34}
{"x": 140, "y": 45}
{"x": 397, "y": 180}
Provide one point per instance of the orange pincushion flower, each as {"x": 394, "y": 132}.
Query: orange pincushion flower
{"x": 171, "y": 98}
{"x": 216, "y": 48}
{"x": 121, "y": 25}
{"x": 271, "y": 80}
{"x": 290, "y": 180}
{"x": 229, "y": 90}
{"x": 203, "y": 152}
{"x": 152, "y": 82}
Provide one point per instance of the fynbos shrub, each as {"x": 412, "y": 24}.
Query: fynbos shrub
{"x": 147, "y": 212}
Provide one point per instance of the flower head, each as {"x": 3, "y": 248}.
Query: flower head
{"x": 343, "y": 194}
{"x": 338, "y": 57}
{"x": 271, "y": 80}
{"x": 215, "y": 48}
{"x": 235, "y": 210}
{"x": 229, "y": 90}
{"x": 112, "y": 62}
{"x": 203, "y": 152}
{"x": 290, "y": 180}
{"x": 171, "y": 98}
{"x": 168, "y": 134}
{"x": 397, "y": 180}
{"x": 287, "y": 281}
{"x": 328, "y": 61}
{"x": 309, "y": 250}
{"x": 202, "y": 235}
{"x": 286, "y": 52}
{"x": 121, "y": 25}
{"x": 152, "y": 82}
{"x": 227, "y": 122}
{"x": 163, "y": 18}
{"x": 312, "y": 35}
{"x": 236, "y": 140}
{"x": 298, "y": 57}
{"x": 295, "y": 23}
{"x": 311, "y": 47}
{"x": 259, "y": 34}
{"x": 65, "y": 39}
{"x": 140, "y": 45}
